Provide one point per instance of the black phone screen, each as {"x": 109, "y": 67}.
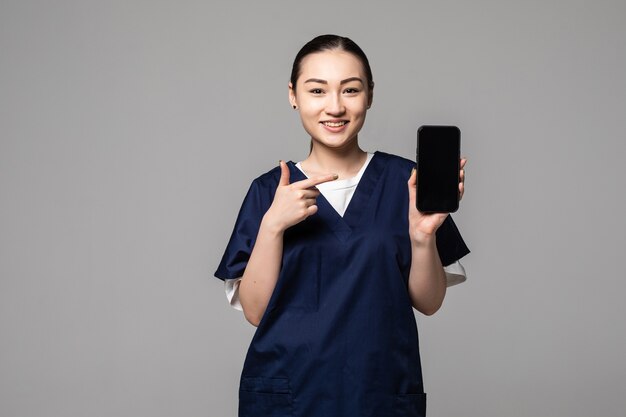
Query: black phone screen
{"x": 438, "y": 165}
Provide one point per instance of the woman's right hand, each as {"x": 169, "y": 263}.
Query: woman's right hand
{"x": 293, "y": 202}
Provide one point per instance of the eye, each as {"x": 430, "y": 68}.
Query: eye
{"x": 316, "y": 91}
{"x": 351, "y": 90}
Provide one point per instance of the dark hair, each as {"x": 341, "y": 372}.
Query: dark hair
{"x": 327, "y": 43}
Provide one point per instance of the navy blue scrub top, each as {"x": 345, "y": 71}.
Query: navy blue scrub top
{"x": 338, "y": 337}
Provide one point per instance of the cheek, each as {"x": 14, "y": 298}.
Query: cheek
{"x": 359, "y": 115}
{"x": 358, "y": 107}
{"x": 309, "y": 114}
{"x": 309, "y": 120}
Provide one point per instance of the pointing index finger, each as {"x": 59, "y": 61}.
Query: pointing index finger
{"x": 311, "y": 182}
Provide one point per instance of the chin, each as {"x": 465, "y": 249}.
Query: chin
{"x": 336, "y": 144}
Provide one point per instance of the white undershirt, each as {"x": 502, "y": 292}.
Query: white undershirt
{"x": 339, "y": 193}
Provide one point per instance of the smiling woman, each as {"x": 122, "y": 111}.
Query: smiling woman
{"x": 329, "y": 256}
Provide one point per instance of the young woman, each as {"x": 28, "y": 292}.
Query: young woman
{"x": 329, "y": 256}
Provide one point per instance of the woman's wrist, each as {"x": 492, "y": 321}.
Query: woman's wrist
{"x": 269, "y": 225}
{"x": 420, "y": 240}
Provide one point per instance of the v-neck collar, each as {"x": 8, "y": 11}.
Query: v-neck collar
{"x": 343, "y": 226}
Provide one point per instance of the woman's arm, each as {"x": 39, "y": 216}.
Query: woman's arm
{"x": 293, "y": 202}
{"x": 261, "y": 273}
{"x": 427, "y": 278}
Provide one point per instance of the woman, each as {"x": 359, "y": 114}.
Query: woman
{"x": 329, "y": 257}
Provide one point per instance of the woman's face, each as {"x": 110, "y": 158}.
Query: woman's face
{"x": 332, "y": 97}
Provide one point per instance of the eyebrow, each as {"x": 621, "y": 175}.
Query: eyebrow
{"x": 347, "y": 80}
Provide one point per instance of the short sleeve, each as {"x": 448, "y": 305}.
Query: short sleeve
{"x": 244, "y": 233}
{"x": 450, "y": 244}
{"x": 231, "y": 287}
{"x": 455, "y": 274}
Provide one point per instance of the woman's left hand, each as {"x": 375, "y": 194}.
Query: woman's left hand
{"x": 421, "y": 225}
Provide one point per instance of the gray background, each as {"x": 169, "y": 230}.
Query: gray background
{"x": 130, "y": 131}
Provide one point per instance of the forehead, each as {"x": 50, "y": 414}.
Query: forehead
{"x": 331, "y": 65}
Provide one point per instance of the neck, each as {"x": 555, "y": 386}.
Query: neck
{"x": 344, "y": 161}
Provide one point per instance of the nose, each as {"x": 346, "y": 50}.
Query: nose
{"x": 334, "y": 105}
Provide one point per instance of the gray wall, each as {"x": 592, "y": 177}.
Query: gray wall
{"x": 130, "y": 131}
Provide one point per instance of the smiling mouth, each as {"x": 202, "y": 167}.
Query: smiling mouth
{"x": 334, "y": 124}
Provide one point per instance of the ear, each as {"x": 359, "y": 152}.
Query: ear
{"x": 292, "y": 95}
{"x": 370, "y": 95}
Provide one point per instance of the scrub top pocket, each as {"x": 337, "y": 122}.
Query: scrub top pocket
{"x": 410, "y": 405}
{"x": 261, "y": 396}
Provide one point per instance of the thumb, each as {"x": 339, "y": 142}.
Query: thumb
{"x": 284, "y": 173}
{"x": 412, "y": 184}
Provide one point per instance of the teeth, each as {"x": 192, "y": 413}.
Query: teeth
{"x": 334, "y": 124}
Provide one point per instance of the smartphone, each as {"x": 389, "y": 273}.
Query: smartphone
{"x": 438, "y": 164}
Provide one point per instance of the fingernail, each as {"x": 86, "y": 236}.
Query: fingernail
{"x": 279, "y": 161}
{"x": 412, "y": 171}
